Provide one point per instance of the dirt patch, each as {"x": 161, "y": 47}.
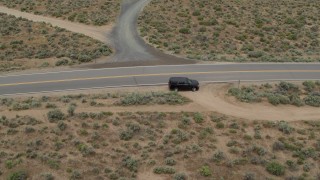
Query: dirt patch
{"x": 215, "y": 98}
{"x": 98, "y": 33}
{"x": 210, "y": 97}
{"x": 137, "y": 141}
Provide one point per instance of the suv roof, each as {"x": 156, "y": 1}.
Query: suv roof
{"x": 178, "y": 79}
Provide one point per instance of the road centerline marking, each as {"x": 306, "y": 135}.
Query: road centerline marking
{"x": 156, "y": 74}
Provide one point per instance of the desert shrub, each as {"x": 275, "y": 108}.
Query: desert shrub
{"x": 16, "y": 106}
{"x": 249, "y": 176}
{"x": 55, "y": 115}
{"x": 62, "y": 62}
{"x": 303, "y": 154}
{"x": 54, "y": 164}
{"x": 259, "y": 150}
{"x": 245, "y": 94}
{"x": 171, "y": 98}
{"x": 185, "y": 121}
{"x": 179, "y": 136}
{"x": 231, "y": 143}
{"x": 75, "y": 175}
{"x": 234, "y": 125}
{"x": 9, "y": 164}
{"x": 306, "y": 167}
{"x": 51, "y": 105}
{"x": 47, "y": 176}
{"x": 130, "y": 163}
{"x": 61, "y": 125}
{"x": 278, "y": 146}
{"x": 205, "y": 171}
{"x": 71, "y": 110}
{"x": 287, "y": 87}
{"x": 180, "y": 176}
{"x": 19, "y": 175}
{"x": 309, "y": 85}
{"x": 6, "y": 101}
{"x": 185, "y": 31}
{"x": 133, "y": 127}
{"x": 273, "y": 99}
{"x": 218, "y": 157}
{"x": 312, "y": 100}
{"x": 234, "y": 91}
{"x": 170, "y": 162}
{"x": 164, "y": 170}
{"x": 83, "y": 115}
{"x": 285, "y": 127}
{"x": 198, "y": 117}
{"x": 196, "y": 13}
{"x": 44, "y": 65}
{"x": 291, "y": 165}
{"x": 85, "y": 149}
{"x": 275, "y": 168}
{"x": 255, "y": 54}
{"x": 220, "y": 125}
{"x": 29, "y": 130}
{"x": 296, "y": 100}
{"x": 126, "y": 135}
{"x": 284, "y": 99}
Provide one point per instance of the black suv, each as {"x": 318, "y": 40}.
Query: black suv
{"x": 183, "y": 83}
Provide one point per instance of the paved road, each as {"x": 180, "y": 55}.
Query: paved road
{"x": 153, "y": 75}
{"x": 129, "y": 46}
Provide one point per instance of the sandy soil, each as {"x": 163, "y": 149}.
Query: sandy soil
{"x": 214, "y": 98}
{"x": 98, "y": 33}
{"x": 211, "y": 97}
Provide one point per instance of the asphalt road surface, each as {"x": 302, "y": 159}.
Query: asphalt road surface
{"x": 153, "y": 75}
{"x": 129, "y": 46}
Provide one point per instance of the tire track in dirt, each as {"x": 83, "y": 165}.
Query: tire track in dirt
{"x": 99, "y": 33}
{"x": 214, "y": 98}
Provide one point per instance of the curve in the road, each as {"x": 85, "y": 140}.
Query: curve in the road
{"x": 129, "y": 46}
{"x": 126, "y": 41}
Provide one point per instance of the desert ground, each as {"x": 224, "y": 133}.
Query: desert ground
{"x": 149, "y": 132}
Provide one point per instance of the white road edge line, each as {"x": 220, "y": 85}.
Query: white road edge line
{"x": 135, "y": 67}
{"x": 156, "y": 84}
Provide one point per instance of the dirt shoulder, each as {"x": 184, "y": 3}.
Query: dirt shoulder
{"x": 211, "y": 97}
{"x": 215, "y": 98}
{"x": 86, "y": 135}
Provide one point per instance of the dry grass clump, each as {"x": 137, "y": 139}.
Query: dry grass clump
{"x": 24, "y": 39}
{"x": 235, "y": 30}
{"x": 95, "y": 12}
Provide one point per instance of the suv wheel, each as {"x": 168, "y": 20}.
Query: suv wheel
{"x": 176, "y": 89}
{"x": 194, "y": 89}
